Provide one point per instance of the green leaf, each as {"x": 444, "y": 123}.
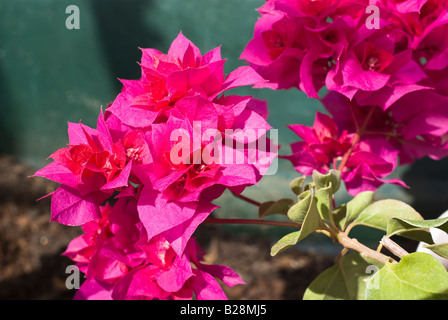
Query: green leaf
{"x": 418, "y": 276}
{"x": 298, "y": 211}
{"x": 275, "y": 207}
{"x": 440, "y": 249}
{"x": 304, "y": 194}
{"x": 324, "y": 180}
{"x": 416, "y": 229}
{"x": 311, "y": 223}
{"x": 346, "y": 280}
{"x": 323, "y": 201}
{"x": 340, "y": 215}
{"x": 357, "y": 205}
{"x": 287, "y": 241}
{"x": 296, "y": 185}
{"x": 378, "y": 214}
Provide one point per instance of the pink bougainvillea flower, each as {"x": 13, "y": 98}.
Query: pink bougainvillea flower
{"x": 296, "y": 43}
{"x": 416, "y": 125}
{"x": 167, "y": 78}
{"x": 189, "y": 157}
{"x": 406, "y": 6}
{"x": 121, "y": 263}
{"x": 287, "y": 53}
{"x": 90, "y": 169}
{"x": 377, "y": 70}
{"x": 368, "y": 164}
{"x": 316, "y": 10}
{"x": 430, "y": 46}
{"x": 181, "y": 89}
{"x": 330, "y": 143}
{"x": 141, "y": 247}
{"x": 322, "y": 144}
{"x": 309, "y": 44}
{"x": 175, "y": 220}
{"x": 177, "y": 279}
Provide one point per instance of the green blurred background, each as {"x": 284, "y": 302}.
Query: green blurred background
{"x": 50, "y": 75}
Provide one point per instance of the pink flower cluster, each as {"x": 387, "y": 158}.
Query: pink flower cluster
{"x": 120, "y": 262}
{"x": 142, "y": 245}
{"x": 387, "y": 84}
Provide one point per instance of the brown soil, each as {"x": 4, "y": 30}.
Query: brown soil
{"x": 31, "y": 265}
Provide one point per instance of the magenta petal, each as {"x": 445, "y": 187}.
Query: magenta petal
{"x": 105, "y": 265}
{"x": 304, "y": 132}
{"x": 70, "y": 208}
{"x": 183, "y": 49}
{"x": 198, "y": 109}
{"x": 174, "y": 279}
{"x": 122, "y": 108}
{"x": 183, "y": 80}
{"x": 78, "y": 133}
{"x": 91, "y": 289}
{"x": 236, "y": 103}
{"x": 104, "y": 136}
{"x": 235, "y": 175}
{"x": 206, "y": 287}
{"x": 159, "y": 214}
{"x": 149, "y": 56}
{"x": 139, "y": 282}
{"x": 442, "y": 19}
{"x": 77, "y": 244}
{"x": 362, "y": 178}
{"x": 410, "y": 6}
{"x": 227, "y": 275}
{"x": 249, "y": 126}
{"x": 123, "y": 220}
{"x": 303, "y": 162}
{"x": 306, "y": 74}
{"x": 387, "y": 96}
{"x": 432, "y": 122}
{"x": 120, "y": 181}
{"x": 242, "y": 76}
{"x": 180, "y": 235}
{"x": 355, "y": 76}
{"x": 58, "y": 173}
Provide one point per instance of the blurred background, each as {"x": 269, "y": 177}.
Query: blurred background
{"x": 51, "y": 75}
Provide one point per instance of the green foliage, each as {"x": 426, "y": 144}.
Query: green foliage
{"x": 378, "y": 214}
{"x": 275, "y": 207}
{"x": 440, "y": 249}
{"x": 296, "y": 185}
{"x": 416, "y": 229}
{"x": 418, "y": 276}
{"x": 324, "y": 197}
{"x": 298, "y": 211}
{"x": 311, "y": 222}
{"x": 333, "y": 178}
{"x": 346, "y": 280}
{"x": 357, "y": 205}
{"x": 414, "y": 276}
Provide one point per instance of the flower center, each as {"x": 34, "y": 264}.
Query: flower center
{"x": 372, "y": 64}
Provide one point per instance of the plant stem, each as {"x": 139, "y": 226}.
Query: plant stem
{"x": 252, "y": 221}
{"x": 249, "y": 200}
{"x": 393, "y": 247}
{"x": 366, "y": 252}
